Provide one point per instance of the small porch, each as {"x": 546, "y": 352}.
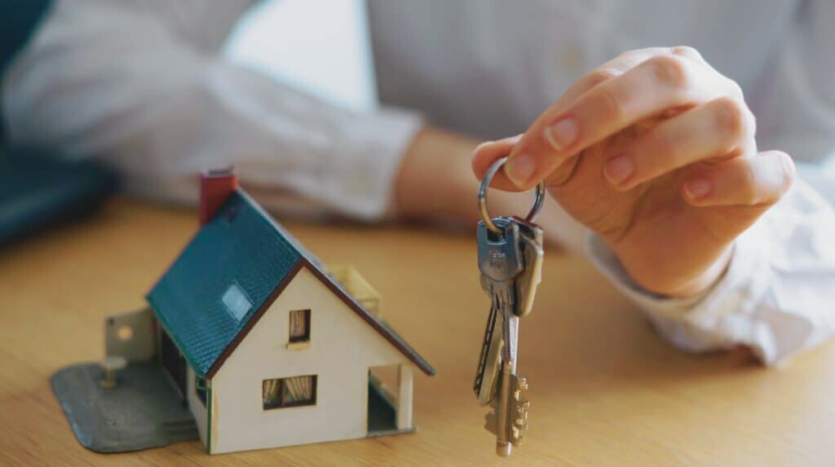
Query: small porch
{"x": 390, "y": 390}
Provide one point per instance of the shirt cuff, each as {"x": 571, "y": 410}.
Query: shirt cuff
{"x": 360, "y": 180}
{"x": 724, "y": 316}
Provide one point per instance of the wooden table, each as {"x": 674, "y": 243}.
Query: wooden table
{"x": 605, "y": 390}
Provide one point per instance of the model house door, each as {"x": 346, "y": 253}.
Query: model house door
{"x": 173, "y": 362}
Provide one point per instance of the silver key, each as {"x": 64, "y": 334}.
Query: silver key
{"x": 510, "y": 263}
{"x": 510, "y": 260}
{"x": 500, "y": 260}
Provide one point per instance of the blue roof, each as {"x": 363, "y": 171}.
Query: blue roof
{"x": 238, "y": 246}
{"x": 230, "y": 270}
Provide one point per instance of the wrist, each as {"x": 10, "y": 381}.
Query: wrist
{"x": 675, "y": 284}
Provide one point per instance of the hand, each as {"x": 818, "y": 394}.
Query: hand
{"x": 655, "y": 152}
{"x": 436, "y": 184}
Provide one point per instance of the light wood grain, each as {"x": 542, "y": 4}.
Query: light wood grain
{"x": 605, "y": 390}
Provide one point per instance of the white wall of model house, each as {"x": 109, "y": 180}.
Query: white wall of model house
{"x": 342, "y": 349}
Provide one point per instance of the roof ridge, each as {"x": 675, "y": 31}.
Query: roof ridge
{"x": 285, "y": 234}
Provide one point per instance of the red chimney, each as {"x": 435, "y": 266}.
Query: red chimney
{"x": 215, "y": 187}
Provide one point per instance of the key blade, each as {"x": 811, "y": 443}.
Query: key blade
{"x": 488, "y": 369}
{"x": 486, "y": 342}
{"x": 492, "y": 369}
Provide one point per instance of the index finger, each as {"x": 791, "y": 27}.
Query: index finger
{"x": 488, "y": 153}
{"x": 656, "y": 85}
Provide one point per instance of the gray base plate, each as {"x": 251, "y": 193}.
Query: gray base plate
{"x": 143, "y": 411}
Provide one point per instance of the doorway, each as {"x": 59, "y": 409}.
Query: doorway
{"x": 173, "y": 362}
{"x": 382, "y": 412}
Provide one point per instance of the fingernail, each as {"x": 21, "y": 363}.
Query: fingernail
{"x": 618, "y": 169}
{"x": 560, "y": 135}
{"x": 698, "y": 188}
{"x": 519, "y": 169}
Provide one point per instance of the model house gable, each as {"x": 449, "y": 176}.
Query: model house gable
{"x": 229, "y": 275}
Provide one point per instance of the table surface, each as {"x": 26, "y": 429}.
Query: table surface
{"x": 605, "y": 389}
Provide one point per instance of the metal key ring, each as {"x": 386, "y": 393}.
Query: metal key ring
{"x": 482, "y": 197}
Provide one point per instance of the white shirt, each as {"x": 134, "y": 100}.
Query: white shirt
{"x": 143, "y": 85}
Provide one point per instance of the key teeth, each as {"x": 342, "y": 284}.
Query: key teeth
{"x": 517, "y": 436}
{"x": 519, "y": 411}
{"x": 521, "y": 384}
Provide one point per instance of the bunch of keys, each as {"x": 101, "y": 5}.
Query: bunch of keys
{"x": 510, "y": 260}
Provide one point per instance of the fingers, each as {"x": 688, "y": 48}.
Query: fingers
{"x": 721, "y": 127}
{"x": 605, "y": 72}
{"x": 487, "y": 153}
{"x": 656, "y": 85}
{"x": 760, "y": 180}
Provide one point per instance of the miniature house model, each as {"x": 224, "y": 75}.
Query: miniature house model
{"x": 265, "y": 347}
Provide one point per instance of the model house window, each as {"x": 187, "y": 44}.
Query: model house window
{"x": 200, "y": 389}
{"x": 300, "y": 326}
{"x": 236, "y": 302}
{"x": 289, "y": 392}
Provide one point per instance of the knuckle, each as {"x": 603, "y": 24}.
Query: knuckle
{"x": 670, "y": 70}
{"x": 611, "y": 108}
{"x": 600, "y": 75}
{"x": 687, "y": 51}
{"x": 730, "y": 118}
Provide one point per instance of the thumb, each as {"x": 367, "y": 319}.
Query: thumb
{"x": 488, "y": 153}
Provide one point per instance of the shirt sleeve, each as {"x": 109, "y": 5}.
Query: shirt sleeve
{"x": 778, "y": 294}
{"x": 127, "y": 84}
{"x": 776, "y": 297}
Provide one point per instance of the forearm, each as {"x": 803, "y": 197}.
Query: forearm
{"x": 160, "y": 110}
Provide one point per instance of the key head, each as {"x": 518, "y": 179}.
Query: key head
{"x": 500, "y": 255}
